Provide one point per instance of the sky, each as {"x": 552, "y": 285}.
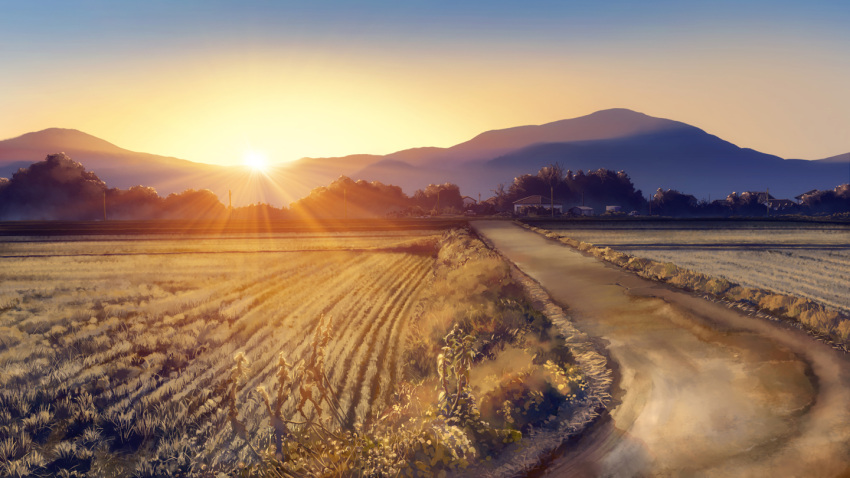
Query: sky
{"x": 209, "y": 80}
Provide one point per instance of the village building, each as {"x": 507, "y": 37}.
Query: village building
{"x": 800, "y": 197}
{"x": 581, "y": 211}
{"x": 781, "y": 204}
{"x": 536, "y": 202}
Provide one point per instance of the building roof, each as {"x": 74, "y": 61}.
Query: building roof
{"x": 782, "y": 203}
{"x": 800, "y": 197}
{"x": 583, "y": 208}
{"x": 533, "y": 200}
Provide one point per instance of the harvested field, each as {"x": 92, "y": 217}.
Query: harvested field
{"x": 116, "y": 352}
{"x": 804, "y": 260}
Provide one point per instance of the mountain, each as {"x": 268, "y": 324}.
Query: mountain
{"x": 687, "y": 159}
{"x": 119, "y": 167}
{"x": 656, "y": 152}
{"x": 841, "y": 158}
{"x": 123, "y": 168}
{"x": 605, "y": 124}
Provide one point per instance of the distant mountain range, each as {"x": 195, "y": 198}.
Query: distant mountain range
{"x": 655, "y": 152}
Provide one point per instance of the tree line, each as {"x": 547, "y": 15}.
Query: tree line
{"x": 60, "y": 188}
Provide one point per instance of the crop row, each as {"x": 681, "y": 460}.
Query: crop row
{"x": 129, "y": 355}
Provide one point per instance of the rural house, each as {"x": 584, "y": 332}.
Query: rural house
{"x": 526, "y": 204}
{"x": 581, "y": 211}
{"x": 781, "y": 204}
{"x": 801, "y": 196}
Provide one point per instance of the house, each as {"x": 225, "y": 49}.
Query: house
{"x": 468, "y": 202}
{"x": 581, "y": 211}
{"x": 781, "y": 204}
{"x": 610, "y": 209}
{"x": 762, "y": 197}
{"x": 800, "y": 197}
{"x": 528, "y": 204}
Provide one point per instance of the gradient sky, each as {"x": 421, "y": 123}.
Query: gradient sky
{"x": 207, "y": 80}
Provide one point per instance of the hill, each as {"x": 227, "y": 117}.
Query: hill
{"x": 122, "y": 168}
{"x": 687, "y": 159}
{"x": 656, "y": 152}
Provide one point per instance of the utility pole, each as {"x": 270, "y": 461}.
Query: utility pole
{"x": 229, "y": 199}
{"x": 104, "y": 205}
{"x": 552, "y": 199}
{"x": 345, "y": 202}
{"x": 437, "y": 208}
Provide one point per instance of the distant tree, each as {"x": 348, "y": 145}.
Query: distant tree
{"x": 552, "y": 175}
{"x": 56, "y": 188}
{"x": 193, "y": 204}
{"x": 436, "y": 197}
{"x": 674, "y": 203}
{"x": 828, "y": 201}
{"x": 345, "y": 197}
{"x": 259, "y": 212}
{"x": 597, "y": 188}
{"x": 138, "y": 202}
{"x": 501, "y": 200}
{"x": 748, "y": 203}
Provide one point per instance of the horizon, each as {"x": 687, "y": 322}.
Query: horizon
{"x": 209, "y": 82}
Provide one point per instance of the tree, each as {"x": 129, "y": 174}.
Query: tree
{"x": 194, "y": 204}
{"x": 437, "y": 197}
{"x": 828, "y": 201}
{"x": 56, "y": 188}
{"x": 673, "y": 203}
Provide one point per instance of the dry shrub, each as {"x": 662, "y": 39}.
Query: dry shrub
{"x": 776, "y": 303}
{"x": 531, "y": 396}
{"x": 569, "y": 242}
{"x": 717, "y": 286}
{"x": 637, "y": 264}
{"x": 746, "y": 295}
{"x": 618, "y": 258}
{"x": 820, "y": 319}
{"x": 689, "y": 280}
{"x": 843, "y": 330}
{"x": 472, "y": 287}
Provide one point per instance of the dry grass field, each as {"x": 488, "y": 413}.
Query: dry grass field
{"x": 808, "y": 260}
{"x": 121, "y": 340}
{"x": 267, "y": 354}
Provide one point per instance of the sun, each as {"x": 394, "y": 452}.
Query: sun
{"x": 256, "y": 161}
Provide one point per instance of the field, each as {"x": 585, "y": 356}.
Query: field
{"x": 269, "y": 354}
{"x": 804, "y": 260}
{"x": 114, "y": 341}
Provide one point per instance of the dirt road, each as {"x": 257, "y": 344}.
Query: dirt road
{"x": 701, "y": 390}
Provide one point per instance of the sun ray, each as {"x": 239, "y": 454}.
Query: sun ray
{"x": 256, "y": 161}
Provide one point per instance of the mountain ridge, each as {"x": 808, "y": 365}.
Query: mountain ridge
{"x": 656, "y": 152}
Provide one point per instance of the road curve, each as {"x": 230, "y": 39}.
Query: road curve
{"x": 701, "y": 390}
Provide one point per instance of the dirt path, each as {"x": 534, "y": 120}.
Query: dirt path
{"x": 702, "y": 390}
